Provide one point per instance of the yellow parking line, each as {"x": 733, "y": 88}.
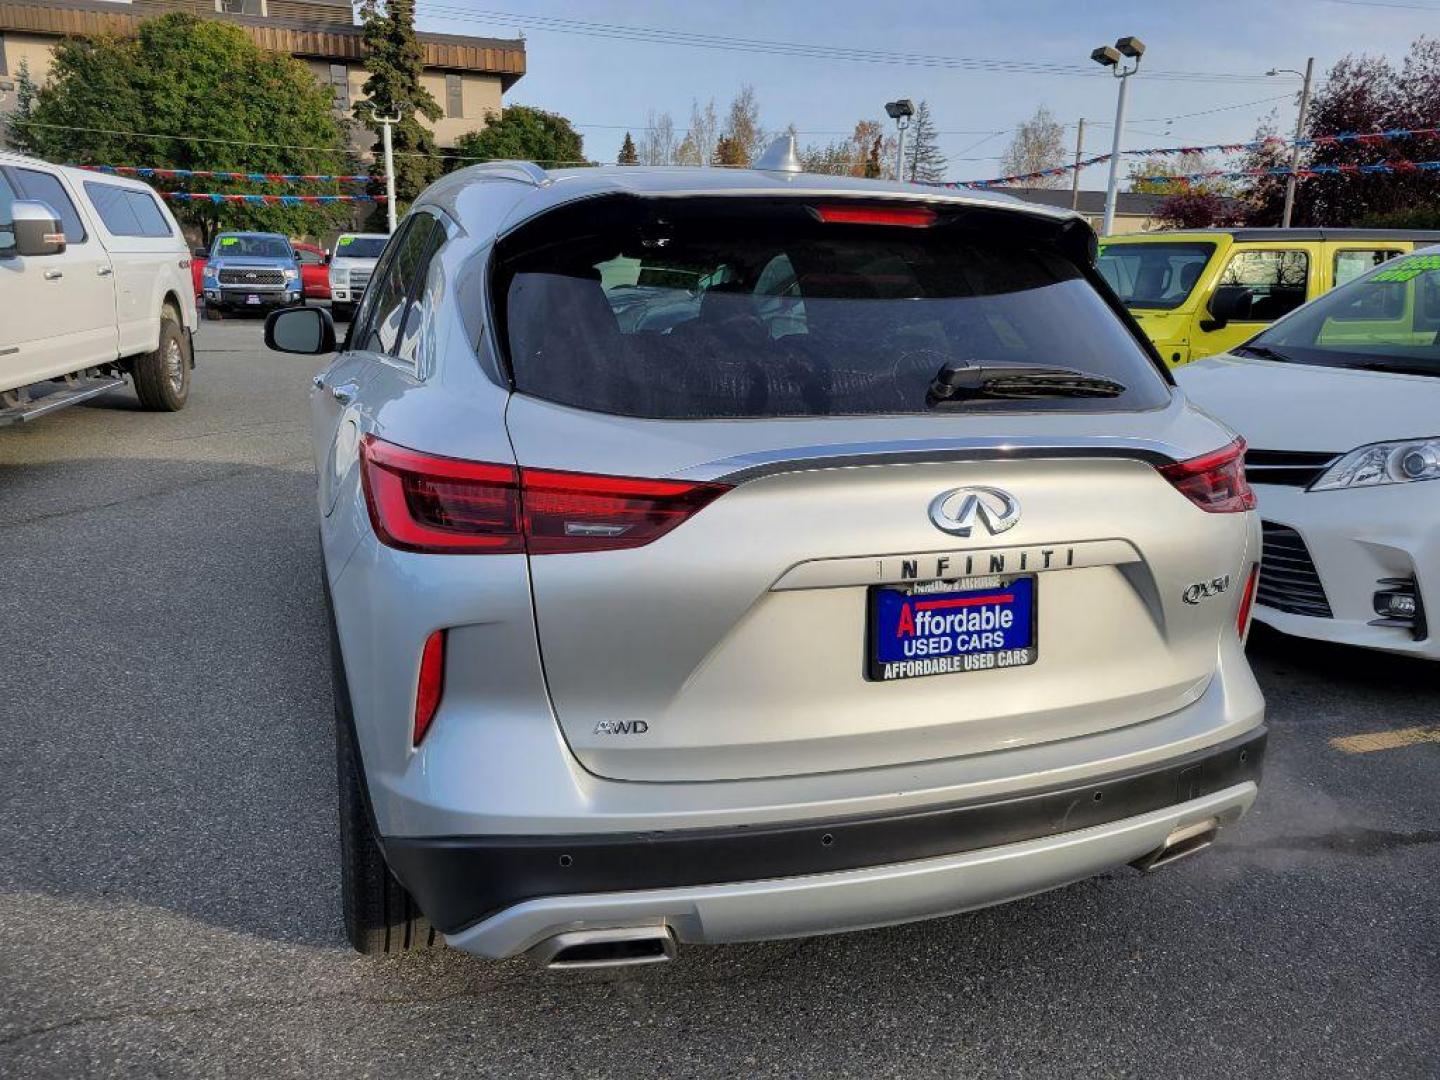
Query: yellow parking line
{"x": 1386, "y": 740}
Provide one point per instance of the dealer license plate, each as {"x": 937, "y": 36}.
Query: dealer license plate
{"x": 936, "y": 629}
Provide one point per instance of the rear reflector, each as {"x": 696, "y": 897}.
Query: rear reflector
{"x": 1214, "y": 482}
{"x": 438, "y": 505}
{"x": 909, "y": 217}
{"x": 1247, "y": 601}
{"x": 431, "y": 684}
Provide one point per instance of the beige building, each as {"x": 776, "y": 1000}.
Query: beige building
{"x": 466, "y": 75}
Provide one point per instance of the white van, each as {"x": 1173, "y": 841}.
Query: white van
{"x": 94, "y": 287}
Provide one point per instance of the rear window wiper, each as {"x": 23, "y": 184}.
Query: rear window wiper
{"x": 960, "y": 382}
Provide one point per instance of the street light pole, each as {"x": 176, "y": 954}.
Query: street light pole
{"x": 900, "y": 111}
{"x": 1113, "y": 57}
{"x": 385, "y": 123}
{"x": 1299, "y": 134}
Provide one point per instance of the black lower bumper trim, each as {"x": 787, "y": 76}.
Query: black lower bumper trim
{"x": 457, "y": 881}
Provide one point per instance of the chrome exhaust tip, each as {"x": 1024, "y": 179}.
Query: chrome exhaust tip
{"x": 1184, "y": 841}
{"x": 629, "y": 946}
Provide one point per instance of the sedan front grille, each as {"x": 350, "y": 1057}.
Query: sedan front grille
{"x": 1289, "y": 581}
{"x": 252, "y": 277}
{"x": 1292, "y": 468}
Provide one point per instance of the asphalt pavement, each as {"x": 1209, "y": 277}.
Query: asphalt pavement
{"x": 169, "y": 889}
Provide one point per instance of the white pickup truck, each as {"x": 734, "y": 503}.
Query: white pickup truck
{"x": 95, "y": 287}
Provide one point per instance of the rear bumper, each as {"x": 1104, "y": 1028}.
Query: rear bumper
{"x": 465, "y": 884}
{"x": 855, "y": 899}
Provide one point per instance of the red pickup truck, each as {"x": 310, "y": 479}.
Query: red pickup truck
{"x": 314, "y": 269}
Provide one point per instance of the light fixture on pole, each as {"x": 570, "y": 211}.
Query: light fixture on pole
{"x": 1306, "y": 75}
{"x": 1114, "y": 57}
{"x": 900, "y": 111}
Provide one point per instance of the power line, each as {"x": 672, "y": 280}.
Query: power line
{"x": 653, "y": 35}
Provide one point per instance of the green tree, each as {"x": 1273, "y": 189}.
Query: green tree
{"x": 522, "y": 133}
{"x": 628, "y": 153}
{"x": 16, "y": 131}
{"x": 742, "y": 126}
{"x": 873, "y": 168}
{"x": 176, "y": 81}
{"x": 395, "y": 60}
{"x": 729, "y": 153}
{"x": 923, "y": 160}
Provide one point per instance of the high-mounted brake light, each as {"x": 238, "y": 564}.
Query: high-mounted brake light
{"x": 437, "y": 505}
{"x": 1214, "y": 482}
{"x": 431, "y": 684}
{"x": 1247, "y": 601}
{"x": 910, "y": 217}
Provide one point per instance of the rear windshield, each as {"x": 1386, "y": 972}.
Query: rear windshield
{"x": 265, "y": 247}
{"x": 1154, "y": 275}
{"x": 773, "y": 313}
{"x": 360, "y": 247}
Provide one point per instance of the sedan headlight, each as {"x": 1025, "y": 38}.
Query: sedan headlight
{"x": 291, "y": 274}
{"x": 1383, "y": 463}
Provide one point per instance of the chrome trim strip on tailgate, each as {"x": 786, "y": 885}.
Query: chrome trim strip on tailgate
{"x": 895, "y": 569}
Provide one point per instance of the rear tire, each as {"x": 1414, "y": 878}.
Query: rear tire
{"x": 380, "y": 914}
{"x": 213, "y": 314}
{"x": 162, "y": 377}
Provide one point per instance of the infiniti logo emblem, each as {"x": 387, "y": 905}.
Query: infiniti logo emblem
{"x": 957, "y": 510}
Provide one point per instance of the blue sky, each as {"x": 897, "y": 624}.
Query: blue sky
{"x": 606, "y": 85}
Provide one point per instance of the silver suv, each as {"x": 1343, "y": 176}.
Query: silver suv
{"x": 721, "y": 555}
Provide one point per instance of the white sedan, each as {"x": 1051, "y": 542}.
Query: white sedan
{"x": 1339, "y": 403}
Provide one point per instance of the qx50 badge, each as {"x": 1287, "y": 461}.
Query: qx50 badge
{"x": 1203, "y": 590}
{"x": 956, "y": 511}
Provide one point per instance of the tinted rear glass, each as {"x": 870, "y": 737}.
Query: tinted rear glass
{"x": 664, "y": 314}
{"x": 1154, "y": 275}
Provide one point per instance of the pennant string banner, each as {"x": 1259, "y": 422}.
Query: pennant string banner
{"x": 269, "y": 200}
{"x": 1373, "y": 138}
{"x": 209, "y": 174}
{"x": 1303, "y": 173}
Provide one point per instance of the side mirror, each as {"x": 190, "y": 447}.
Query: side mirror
{"x": 37, "y": 229}
{"x": 201, "y": 253}
{"x": 1231, "y": 303}
{"x": 305, "y": 330}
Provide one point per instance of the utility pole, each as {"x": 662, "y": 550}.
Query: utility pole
{"x": 385, "y": 123}
{"x": 1299, "y": 134}
{"x": 1075, "y": 175}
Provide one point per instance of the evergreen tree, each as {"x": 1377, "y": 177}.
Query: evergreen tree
{"x": 628, "y": 153}
{"x": 923, "y": 160}
{"x": 16, "y": 130}
{"x": 394, "y": 57}
{"x": 729, "y": 153}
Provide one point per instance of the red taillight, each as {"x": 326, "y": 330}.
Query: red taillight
{"x": 439, "y": 505}
{"x": 419, "y": 502}
{"x": 1214, "y": 482}
{"x": 431, "y": 684}
{"x": 567, "y": 512}
{"x": 909, "y": 217}
{"x": 1247, "y": 600}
